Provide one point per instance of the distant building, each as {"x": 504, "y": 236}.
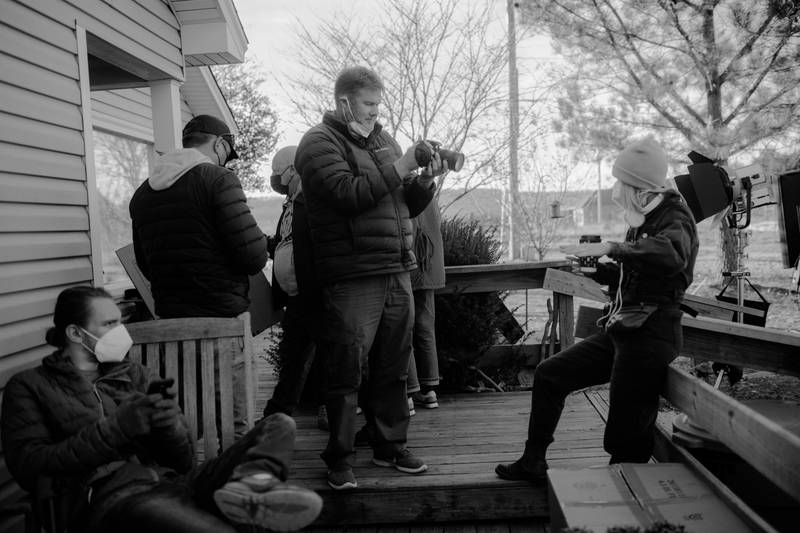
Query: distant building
{"x": 586, "y": 214}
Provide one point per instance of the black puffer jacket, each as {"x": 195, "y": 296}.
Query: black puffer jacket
{"x": 359, "y": 209}
{"x": 657, "y": 258}
{"x": 57, "y": 423}
{"x": 195, "y": 238}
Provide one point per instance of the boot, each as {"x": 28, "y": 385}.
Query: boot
{"x": 534, "y": 471}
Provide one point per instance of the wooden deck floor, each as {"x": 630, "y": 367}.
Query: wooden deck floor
{"x": 461, "y": 442}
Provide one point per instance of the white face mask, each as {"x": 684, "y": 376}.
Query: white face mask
{"x": 112, "y": 346}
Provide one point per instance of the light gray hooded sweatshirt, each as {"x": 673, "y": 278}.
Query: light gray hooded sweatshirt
{"x": 170, "y": 167}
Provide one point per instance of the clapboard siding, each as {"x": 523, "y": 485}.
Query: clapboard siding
{"x": 22, "y": 335}
{"x": 31, "y": 246}
{"x": 18, "y": 306}
{"x": 35, "y": 50}
{"x": 132, "y": 35}
{"x": 124, "y": 111}
{"x": 25, "y": 160}
{"x": 33, "y": 133}
{"x": 16, "y": 217}
{"x": 28, "y": 275}
{"x": 19, "y": 73}
{"x": 39, "y": 190}
{"x": 29, "y": 21}
{"x": 40, "y": 107}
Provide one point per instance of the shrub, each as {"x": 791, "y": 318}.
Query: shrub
{"x": 465, "y": 322}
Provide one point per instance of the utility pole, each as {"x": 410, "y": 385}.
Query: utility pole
{"x": 599, "y": 191}
{"x": 513, "y": 163}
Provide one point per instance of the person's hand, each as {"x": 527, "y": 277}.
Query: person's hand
{"x": 434, "y": 168}
{"x": 587, "y": 249}
{"x": 166, "y": 415}
{"x": 407, "y": 162}
{"x": 133, "y": 414}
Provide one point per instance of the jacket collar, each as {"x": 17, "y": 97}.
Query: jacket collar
{"x": 59, "y": 363}
{"x": 331, "y": 120}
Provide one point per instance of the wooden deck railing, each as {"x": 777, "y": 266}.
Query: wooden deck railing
{"x": 764, "y": 444}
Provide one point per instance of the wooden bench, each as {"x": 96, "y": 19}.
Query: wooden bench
{"x": 193, "y": 350}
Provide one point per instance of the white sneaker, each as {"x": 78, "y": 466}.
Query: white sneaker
{"x": 411, "y": 410}
{"x": 278, "y": 507}
{"x": 427, "y": 400}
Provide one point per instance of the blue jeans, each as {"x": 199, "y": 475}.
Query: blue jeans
{"x": 173, "y": 503}
{"x": 635, "y": 366}
{"x": 423, "y": 368}
{"x": 367, "y": 327}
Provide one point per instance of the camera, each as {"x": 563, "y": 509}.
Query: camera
{"x": 423, "y": 154}
{"x": 589, "y": 263}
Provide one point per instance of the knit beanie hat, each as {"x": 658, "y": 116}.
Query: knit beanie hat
{"x": 642, "y": 165}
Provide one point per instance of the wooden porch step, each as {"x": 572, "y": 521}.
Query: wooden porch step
{"x": 462, "y": 441}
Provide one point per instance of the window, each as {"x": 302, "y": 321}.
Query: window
{"x": 121, "y": 165}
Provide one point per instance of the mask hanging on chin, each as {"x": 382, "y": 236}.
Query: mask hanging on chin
{"x": 112, "y": 346}
{"x": 354, "y": 128}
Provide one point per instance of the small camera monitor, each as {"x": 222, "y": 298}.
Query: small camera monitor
{"x": 789, "y": 216}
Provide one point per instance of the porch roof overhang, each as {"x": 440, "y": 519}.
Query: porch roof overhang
{"x": 211, "y": 31}
{"x": 205, "y": 97}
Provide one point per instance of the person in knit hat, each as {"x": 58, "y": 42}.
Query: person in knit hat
{"x": 640, "y": 332}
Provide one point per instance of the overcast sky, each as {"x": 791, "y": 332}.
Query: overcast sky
{"x": 269, "y": 25}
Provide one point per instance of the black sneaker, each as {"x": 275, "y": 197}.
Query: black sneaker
{"x": 342, "y": 478}
{"x": 404, "y": 461}
{"x": 536, "y": 474}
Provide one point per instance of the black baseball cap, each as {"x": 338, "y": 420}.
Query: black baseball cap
{"x": 211, "y": 125}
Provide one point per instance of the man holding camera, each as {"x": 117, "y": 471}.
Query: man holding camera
{"x": 361, "y": 192}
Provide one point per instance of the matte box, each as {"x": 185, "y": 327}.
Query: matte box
{"x": 629, "y": 494}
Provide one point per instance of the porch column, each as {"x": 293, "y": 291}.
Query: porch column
{"x": 166, "y": 105}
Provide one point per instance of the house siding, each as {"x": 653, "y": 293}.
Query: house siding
{"x": 45, "y": 244}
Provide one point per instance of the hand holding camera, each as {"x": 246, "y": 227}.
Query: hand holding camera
{"x": 586, "y": 253}
{"x": 424, "y": 152}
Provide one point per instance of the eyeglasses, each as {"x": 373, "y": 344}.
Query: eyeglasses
{"x": 281, "y": 173}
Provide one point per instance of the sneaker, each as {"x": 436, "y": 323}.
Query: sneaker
{"x": 411, "y": 410}
{"x": 404, "y": 461}
{"x": 342, "y": 478}
{"x": 427, "y": 400}
{"x": 279, "y": 507}
{"x": 322, "y": 418}
{"x": 536, "y": 474}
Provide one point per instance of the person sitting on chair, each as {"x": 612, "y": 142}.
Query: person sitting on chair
{"x": 114, "y": 442}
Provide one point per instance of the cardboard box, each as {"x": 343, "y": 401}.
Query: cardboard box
{"x": 637, "y": 495}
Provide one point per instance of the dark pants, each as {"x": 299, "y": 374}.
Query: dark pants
{"x": 186, "y": 503}
{"x": 297, "y": 352}
{"x": 368, "y": 324}
{"x": 635, "y": 366}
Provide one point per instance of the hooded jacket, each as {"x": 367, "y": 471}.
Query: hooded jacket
{"x": 359, "y": 209}
{"x": 195, "y": 238}
{"x": 57, "y": 423}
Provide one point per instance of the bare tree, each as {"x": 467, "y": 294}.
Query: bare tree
{"x": 546, "y": 174}
{"x": 444, "y": 76}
